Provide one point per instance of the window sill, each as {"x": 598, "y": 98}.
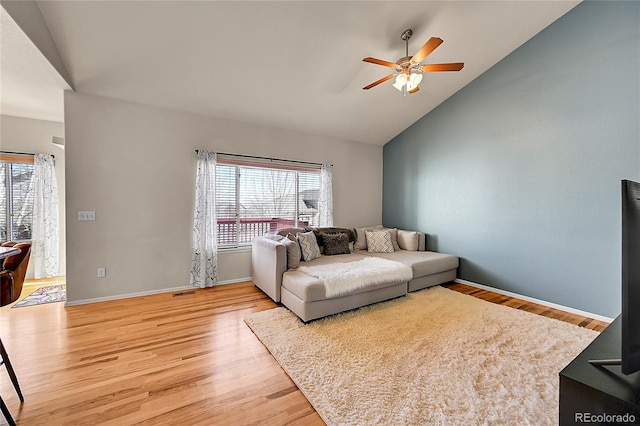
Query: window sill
{"x": 239, "y": 249}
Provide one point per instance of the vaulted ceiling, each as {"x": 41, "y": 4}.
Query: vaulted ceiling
{"x": 293, "y": 65}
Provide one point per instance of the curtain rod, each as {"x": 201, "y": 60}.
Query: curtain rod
{"x": 267, "y": 158}
{"x": 22, "y": 153}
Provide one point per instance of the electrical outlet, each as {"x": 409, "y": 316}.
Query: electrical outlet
{"x": 102, "y": 272}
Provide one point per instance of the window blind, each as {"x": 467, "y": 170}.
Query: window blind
{"x": 16, "y": 197}
{"x": 258, "y": 195}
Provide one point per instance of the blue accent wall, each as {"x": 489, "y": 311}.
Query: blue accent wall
{"x": 519, "y": 172}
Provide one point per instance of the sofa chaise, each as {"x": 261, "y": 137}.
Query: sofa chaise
{"x": 328, "y": 283}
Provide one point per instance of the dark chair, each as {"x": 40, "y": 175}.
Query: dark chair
{"x": 14, "y": 269}
{"x": 12, "y": 375}
{"x": 7, "y": 244}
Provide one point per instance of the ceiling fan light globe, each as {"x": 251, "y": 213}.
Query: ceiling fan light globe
{"x": 401, "y": 80}
{"x": 414, "y": 81}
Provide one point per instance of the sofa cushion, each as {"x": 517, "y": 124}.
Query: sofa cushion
{"x": 408, "y": 240}
{"x": 335, "y": 244}
{"x": 379, "y": 241}
{"x": 293, "y": 251}
{"x": 311, "y": 289}
{"x": 308, "y": 246}
{"x": 422, "y": 262}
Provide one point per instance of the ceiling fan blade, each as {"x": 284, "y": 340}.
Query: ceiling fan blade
{"x": 426, "y": 49}
{"x": 414, "y": 90}
{"x": 454, "y": 66}
{"x": 382, "y": 80}
{"x": 380, "y": 62}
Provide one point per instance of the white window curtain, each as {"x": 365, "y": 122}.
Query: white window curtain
{"x": 44, "y": 236}
{"x": 325, "y": 203}
{"x": 204, "y": 256}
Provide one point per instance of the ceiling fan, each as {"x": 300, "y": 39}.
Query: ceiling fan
{"x": 408, "y": 69}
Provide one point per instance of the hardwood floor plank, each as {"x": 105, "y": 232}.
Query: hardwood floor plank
{"x": 528, "y": 306}
{"x": 151, "y": 360}
{"x": 163, "y": 360}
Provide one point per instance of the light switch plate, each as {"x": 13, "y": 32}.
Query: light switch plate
{"x": 86, "y": 215}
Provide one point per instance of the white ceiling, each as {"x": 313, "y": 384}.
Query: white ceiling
{"x": 29, "y": 85}
{"x": 294, "y": 65}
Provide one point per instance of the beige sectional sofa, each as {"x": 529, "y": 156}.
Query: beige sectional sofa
{"x": 275, "y": 270}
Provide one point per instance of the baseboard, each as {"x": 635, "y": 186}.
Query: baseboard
{"x": 538, "y": 301}
{"x": 127, "y": 295}
{"x": 235, "y": 281}
{"x": 147, "y": 293}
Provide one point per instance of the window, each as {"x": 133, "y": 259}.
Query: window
{"x": 252, "y": 199}
{"x": 16, "y": 197}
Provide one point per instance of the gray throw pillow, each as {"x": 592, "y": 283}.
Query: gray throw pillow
{"x": 293, "y": 252}
{"x": 335, "y": 244}
{"x": 394, "y": 238}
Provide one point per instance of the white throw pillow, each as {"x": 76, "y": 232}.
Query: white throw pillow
{"x": 408, "y": 240}
{"x": 308, "y": 246}
{"x": 379, "y": 241}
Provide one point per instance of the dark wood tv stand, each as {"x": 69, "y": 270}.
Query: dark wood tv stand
{"x": 588, "y": 391}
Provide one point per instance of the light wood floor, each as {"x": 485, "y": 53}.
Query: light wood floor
{"x": 32, "y": 285}
{"x": 156, "y": 360}
{"x": 524, "y": 305}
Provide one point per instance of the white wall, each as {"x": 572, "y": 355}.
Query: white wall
{"x": 34, "y": 137}
{"x": 135, "y": 166}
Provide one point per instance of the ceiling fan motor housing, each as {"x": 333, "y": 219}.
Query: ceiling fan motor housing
{"x": 404, "y": 64}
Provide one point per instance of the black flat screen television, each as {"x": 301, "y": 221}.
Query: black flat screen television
{"x": 630, "y": 277}
{"x": 630, "y": 351}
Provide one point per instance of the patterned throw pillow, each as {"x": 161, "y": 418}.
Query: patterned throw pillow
{"x": 361, "y": 239}
{"x": 335, "y": 243}
{"x": 308, "y": 246}
{"x": 379, "y": 241}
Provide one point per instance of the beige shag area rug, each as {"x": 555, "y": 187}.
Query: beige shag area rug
{"x": 434, "y": 357}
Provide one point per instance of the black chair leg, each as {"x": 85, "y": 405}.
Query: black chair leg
{"x": 12, "y": 374}
{"x": 6, "y": 413}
